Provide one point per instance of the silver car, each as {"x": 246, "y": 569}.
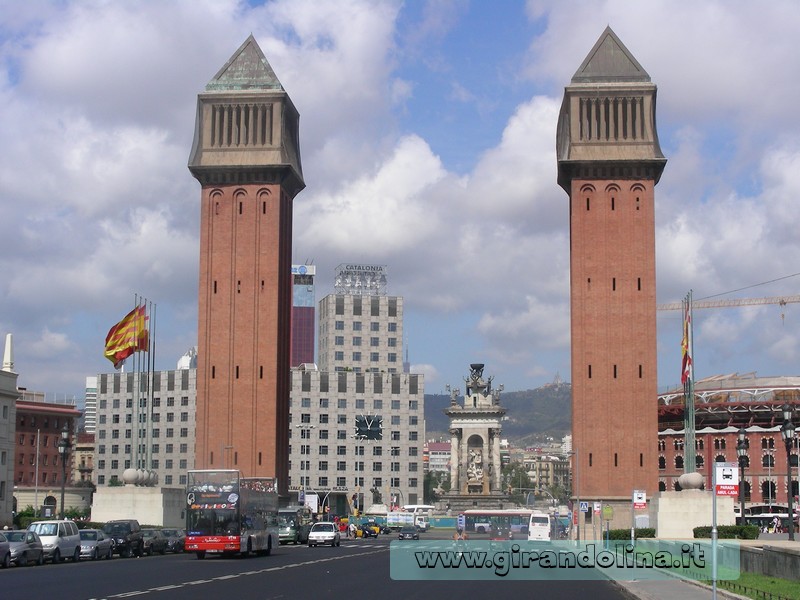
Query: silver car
{"x": 95, "y": 544}
{"x": 26, "y": 547}
{"x": 323, "y": 533}
{"x": 5, "y": 552}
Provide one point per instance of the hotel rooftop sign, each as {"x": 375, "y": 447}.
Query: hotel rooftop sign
{"x": 360, "y": 280}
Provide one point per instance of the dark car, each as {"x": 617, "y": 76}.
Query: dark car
{"x": 176, "y": 539}
{"x": 368, "y": 531}
{"x": 154, "y": 541}
{"x": 26, "y": 547}
{"x": 409, "y": 532}
{"x": 127, "y": 536}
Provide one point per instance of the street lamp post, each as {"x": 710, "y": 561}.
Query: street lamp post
{"x": 305, "y": 480}
{"x": 741, "y": 452}
{"x": 63, "y": 450}
{"x": 787, "y": 432}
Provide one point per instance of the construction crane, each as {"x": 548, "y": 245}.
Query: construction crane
{"x": 780, "y": 300}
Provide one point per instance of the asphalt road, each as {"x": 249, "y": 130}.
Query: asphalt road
{"x": 358, "y": 568}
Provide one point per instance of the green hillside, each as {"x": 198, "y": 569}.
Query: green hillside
{"x": 530, "y": 414}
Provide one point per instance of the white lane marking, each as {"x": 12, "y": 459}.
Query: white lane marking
{"x": 377, "y": 548}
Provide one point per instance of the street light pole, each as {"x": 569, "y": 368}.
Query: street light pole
{"x": 787, "y": 432}
{"x": 63, "y": 450}
{"x": 741, "y": 452}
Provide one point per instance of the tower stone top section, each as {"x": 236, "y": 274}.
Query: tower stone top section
{"x": 607, "y": 124}
{"x": 247, "y": 129}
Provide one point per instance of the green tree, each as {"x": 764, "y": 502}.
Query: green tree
{"x": 515, "y": 481}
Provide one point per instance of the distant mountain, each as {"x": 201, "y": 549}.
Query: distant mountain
{"x": 530, "y": 415}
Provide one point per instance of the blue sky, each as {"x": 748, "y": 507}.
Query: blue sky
{"x": 428, "y": 141}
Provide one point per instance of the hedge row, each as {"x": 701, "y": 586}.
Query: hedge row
{"x": 625, "y": 534}
{"x": 728, "y": 532}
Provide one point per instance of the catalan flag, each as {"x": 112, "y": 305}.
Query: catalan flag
{"x": 686, "y": 343}
{"x": 128, "y": 336}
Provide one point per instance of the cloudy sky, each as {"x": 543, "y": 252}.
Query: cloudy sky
{"x": 428, "y": 141}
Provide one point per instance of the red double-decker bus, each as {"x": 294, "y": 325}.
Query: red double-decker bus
{"x": 230, "y": 514}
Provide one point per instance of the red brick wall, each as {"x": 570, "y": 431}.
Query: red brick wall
{"x": 244, "y": 330}
{"x": 613, "y": 308}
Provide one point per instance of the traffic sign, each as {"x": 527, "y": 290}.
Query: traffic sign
{"x": 726, "y": 479}
{"x": 584, "y": 507}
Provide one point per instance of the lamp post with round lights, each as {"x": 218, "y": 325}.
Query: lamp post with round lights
{"x": 63, "y": 449}
{"x": 787, "y": 432}
{"x": 741, "y": 452}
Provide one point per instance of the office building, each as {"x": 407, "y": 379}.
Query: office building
{"x": 150, "y": 430}
{"x": 358, "y": 422}
{"x": 303, "y": 314}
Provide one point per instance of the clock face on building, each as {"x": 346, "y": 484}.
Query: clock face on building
{"x": 369, "y": 427}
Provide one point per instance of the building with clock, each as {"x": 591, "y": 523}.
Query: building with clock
{"x": 357, "y": 425}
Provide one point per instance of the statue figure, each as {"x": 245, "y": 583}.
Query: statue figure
{"x": 475, "y": 467}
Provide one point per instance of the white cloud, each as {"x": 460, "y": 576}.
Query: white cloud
{"x": 99, "y": 101}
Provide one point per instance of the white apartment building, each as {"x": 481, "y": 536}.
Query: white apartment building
{"x": 142, "y": 429}
{"x": 90, "y": 405}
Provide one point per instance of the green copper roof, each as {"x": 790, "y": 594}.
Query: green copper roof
{"x": 247, "y": 69}
{"x": 610, "y": 61}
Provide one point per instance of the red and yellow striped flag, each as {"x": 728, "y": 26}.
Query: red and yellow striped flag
{"x": 128, "y": 336}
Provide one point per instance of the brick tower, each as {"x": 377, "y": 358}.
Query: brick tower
{"x": 246, "y": 156}
{"x": 609, "y": 162}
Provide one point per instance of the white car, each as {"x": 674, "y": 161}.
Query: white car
{"x": 323, "y": 533}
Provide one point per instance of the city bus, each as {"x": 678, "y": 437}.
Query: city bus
{"x": 499, "y": 524}
{"x": 301, "y": 517}
{"x": 230, "y": 514}
{"x": 540, "y": 527}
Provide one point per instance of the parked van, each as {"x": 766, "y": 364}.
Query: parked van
{"x": 540, "y": 527}
{"x": 60, "y": 539}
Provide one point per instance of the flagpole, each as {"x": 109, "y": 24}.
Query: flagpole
{"x": 151, "y": 359}
{"x": 689, "y": 450}
{"x": 137, "y": 389}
